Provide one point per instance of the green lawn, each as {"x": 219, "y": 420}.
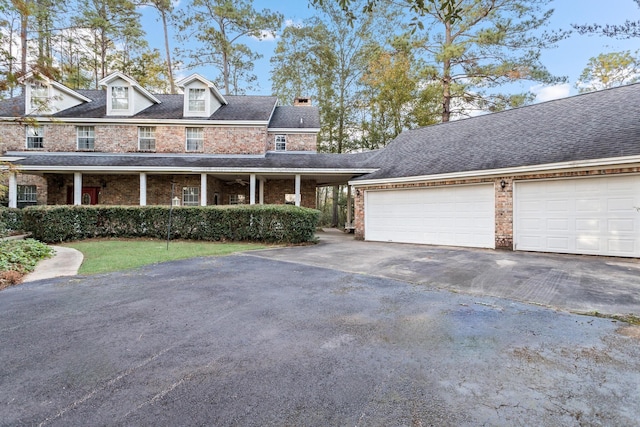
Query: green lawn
{"x": 104, "y": 256}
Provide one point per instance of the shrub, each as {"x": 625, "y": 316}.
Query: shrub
{"x": 260, "y": 223}
{"x": 10, "y": 221}
{"x": 18, "y": 257}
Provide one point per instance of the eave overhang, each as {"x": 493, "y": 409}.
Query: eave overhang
{"x": 293, "y": 130}
{"x": 134, "y": 121}
{"x": 578, "y": 165}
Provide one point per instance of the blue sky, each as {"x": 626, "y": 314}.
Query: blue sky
{"x": 568, "y": 59}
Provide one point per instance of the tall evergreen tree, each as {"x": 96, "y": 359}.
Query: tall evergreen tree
{"x": 491, "y": 43}
{"x": 219, "y": 25}
{"x": 110, "y": 24}
{"x": 164, "y": 8}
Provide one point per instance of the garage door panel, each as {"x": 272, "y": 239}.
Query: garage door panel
{"x": 588, "y": 205}
{"x": 559, "y": 224}
{"x": 621, "y": 246}
{"x": 558, "y": 243}
{"x": 621, "y": 225}
{"x": 620, "y": 205}
{"x": 588, "y": 225}
{"x": 585, "y": 215}
{"x": 454, "y": 215}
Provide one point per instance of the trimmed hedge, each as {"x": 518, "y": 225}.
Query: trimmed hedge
{"x": 10, "y": 220}
{"x": 260, "y": 223}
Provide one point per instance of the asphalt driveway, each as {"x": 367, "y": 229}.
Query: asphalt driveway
{"x": 581, "y": 284}
{"x": 249, "y": 341}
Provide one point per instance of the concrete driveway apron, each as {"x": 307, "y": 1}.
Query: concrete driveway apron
{"x": 576, "y": 283}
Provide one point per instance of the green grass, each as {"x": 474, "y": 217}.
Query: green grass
{"x": 104, "y": 256}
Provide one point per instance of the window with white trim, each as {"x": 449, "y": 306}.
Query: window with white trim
{"x": 147, "y": 138}
{"x": 196, "y": 100}
{"x": 39, "y": 96}
{"x": 27, "y": 194}
{"x": 35, "y": 139}
{"x": 195, "y": 139}
{"x": 236, "y": 199}
{"x": 119, "y": 98}
{"x": 191, "y": 196}
{"x": 281, "y": 142}
{"x": 86, "y": 137}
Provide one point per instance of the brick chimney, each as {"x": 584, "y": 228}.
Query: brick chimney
{"x": 302, "y": 102}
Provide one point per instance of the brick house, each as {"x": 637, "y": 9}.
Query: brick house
{"x": 123, "y": 145}
{"x": 559, "y": 176}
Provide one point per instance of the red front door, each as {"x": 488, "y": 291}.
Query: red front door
{"x": 89, "y": 195}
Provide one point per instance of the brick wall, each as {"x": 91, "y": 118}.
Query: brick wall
{"x": 13, "y": 137}
{"x": 59, "y": 137}
{"x": 503, "y": 197}
{"x": 295, "y": 141}
{"x": 38, "y": 181}
{"x": 275, "y": 191}
{"x": 125, "y": 189}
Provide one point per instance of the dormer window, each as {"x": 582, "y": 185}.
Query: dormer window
{"x": 120, "y": 98}
{"x": 39, "y": 96}
{"x": 201, "y": 98}
{"x": 197, "y": 100}
{"x": 125, "y": 97}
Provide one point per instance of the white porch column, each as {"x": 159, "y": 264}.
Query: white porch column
{"x": 143, "y": 189}
{"x": 252, "y": 189}
{"x": 77, "y": 188}
{"x": 298, "y": 198}
{"x": 13, "y": 190}
{"x": 262, "y": 181}
{"x": 203, "y": 189}
{"x": 349, "y": 213}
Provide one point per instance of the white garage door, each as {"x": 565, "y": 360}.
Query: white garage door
{"x": 453, "y": 215}
{"x": 596, "y": 216}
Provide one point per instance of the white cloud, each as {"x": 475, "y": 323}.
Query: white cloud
{"x": 548, "y": 93}
{"x": 292, "y": 23}
{"x": 266, "y": 35}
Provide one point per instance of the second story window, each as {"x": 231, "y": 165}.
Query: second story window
{"x": 39, "y": 96}
{"x": 147, "y": 138}
{"x": 281, "y": 142}
{"x": 196, "y": 100}
{"x": 195, "y": 139}
{"x": 35, "y": 138}
{"x": 86, "y": 137}
{"x": 119, "y": 98}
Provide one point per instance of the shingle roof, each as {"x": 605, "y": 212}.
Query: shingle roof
{"x": 240, "y": 108}
{"x": 290, "y": 117}
{"x": 596, "y": 125}
{"x": 268, "y": 161}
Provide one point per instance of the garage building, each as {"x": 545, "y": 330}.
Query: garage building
{"x": 560, "y": 176}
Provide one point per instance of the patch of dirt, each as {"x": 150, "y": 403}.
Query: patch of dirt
{"x": 528, "y": 355}
{"x": 632, "y": 331}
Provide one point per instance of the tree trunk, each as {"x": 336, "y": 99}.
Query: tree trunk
{"x": 446, "y": 77}
{"x": 172, "y": 84}
{"x": 24, "y": 22}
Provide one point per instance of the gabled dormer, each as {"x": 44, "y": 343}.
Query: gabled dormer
{"x": 201, "y": 97}
{"x": 44, "y": 97}
{"x": 125, "y": 97}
